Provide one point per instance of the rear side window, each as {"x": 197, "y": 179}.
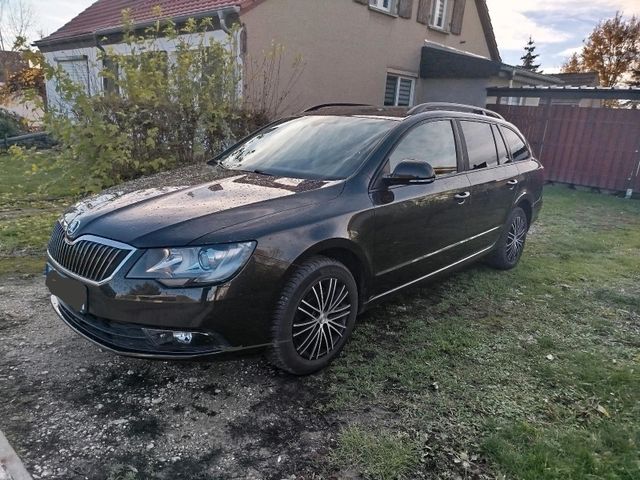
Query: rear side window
{"x": 431, "y": 142}
{"x": 480, "y": 144}
{"x": 517, "y": 148}
{"x": 503, "y": 155}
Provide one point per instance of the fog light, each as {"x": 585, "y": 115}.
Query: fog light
{"x": 184, "y": 338}
{"x": 184, "y": 341}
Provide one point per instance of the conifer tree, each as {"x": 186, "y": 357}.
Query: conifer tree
{"x": 529, "y": 57}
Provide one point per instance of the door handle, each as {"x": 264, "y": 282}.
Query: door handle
{"x": 513, "y": 182}
{"x": 463, "y": 197}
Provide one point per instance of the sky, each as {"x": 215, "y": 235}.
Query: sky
{"x": 557, "y": 26}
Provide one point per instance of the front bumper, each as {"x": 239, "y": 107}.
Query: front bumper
{"x": 139, "y": 317}
{"x": 135, "y": 340}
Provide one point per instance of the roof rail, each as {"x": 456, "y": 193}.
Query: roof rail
{"x": 455, "y": 107}
{"x": 327, "y": 105}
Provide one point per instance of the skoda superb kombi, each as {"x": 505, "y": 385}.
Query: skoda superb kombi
{"x": 316, "y": 217}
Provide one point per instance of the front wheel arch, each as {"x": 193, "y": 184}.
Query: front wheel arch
{"x": 346, "y": 252}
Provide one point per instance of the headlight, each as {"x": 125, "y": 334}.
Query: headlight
{"x": 180, "y": 267}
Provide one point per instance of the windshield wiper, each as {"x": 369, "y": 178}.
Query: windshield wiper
{"x": 262, "y": 172}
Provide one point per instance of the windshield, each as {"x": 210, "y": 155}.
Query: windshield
{"x": 316, "y": 147}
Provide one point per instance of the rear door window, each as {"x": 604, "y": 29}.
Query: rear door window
{"x": 480, "y": 144}
{"x": 517, "y": 147}
{"x": 503, "y": 154}
{"x": 431, "y": 142}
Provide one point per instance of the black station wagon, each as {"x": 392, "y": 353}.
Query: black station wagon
{"x": 312, "y": 220}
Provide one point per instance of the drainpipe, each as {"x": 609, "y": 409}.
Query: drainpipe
{"x": 512, "y": 77}
{"x": 104, "y": 52}
{"x": 222, "y": 16}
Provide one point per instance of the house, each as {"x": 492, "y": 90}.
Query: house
{"x": 570, "y": 89}
{"x": 392, "y": 52}
{"x": 585, "y": 79}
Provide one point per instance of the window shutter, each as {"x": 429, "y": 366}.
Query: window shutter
{"x": 390, "y": 90}
{"x": 404, "y": 94}
{"x": 458, "y": 16}
{"x": 363, "y": 2}
{"x": 405, "y": 8}
{"x": 424, "y": 11}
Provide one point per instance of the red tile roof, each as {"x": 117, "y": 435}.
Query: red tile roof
{"x": 105, "y": 14}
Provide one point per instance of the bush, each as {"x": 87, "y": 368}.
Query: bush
{"x": 158, "y": 110}
{"x": 11, "y": 124}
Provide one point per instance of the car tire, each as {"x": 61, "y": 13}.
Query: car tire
{"x": 314, "y": 316}
{"x": 511, "y": 243}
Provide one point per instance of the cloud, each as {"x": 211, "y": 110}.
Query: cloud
{"x": 567, "y": 52}
{"x": 550, "y": 21}
{"x": 513, "y": 26}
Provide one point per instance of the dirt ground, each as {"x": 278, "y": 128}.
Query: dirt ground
{"x": 72, "y": 411}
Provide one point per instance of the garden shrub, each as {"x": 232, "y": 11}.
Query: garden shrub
{"x": 11, "y": 124}
{"x": 157, "y": 110}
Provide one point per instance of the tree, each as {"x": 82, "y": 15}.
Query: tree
{"x": 572, "y": 65}
{"x": 529, "y": 57}
{"x": 612, "y": 50}
{"x": 16, "y": 21}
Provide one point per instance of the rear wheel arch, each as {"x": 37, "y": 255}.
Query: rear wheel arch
{"x": 525, "y": 204}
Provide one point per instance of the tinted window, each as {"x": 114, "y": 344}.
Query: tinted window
{"x": 516, "y": 145}
{"x": 503, "y": 155}
{"x": 431, "y": 142}
{"x": 480, "y": 145}
{"x": 317, "y": 147}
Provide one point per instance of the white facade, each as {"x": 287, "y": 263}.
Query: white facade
{"x": 83, "y": 65}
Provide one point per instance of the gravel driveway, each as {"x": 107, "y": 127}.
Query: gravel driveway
{"x": 72, "y": 411}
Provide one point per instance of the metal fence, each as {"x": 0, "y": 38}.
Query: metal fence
{"x": 593, "y": 147}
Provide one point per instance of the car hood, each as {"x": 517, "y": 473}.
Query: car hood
{"x": 168, "y": 216}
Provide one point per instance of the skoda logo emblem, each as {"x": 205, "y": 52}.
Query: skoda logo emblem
{"x": 73, "y": 227}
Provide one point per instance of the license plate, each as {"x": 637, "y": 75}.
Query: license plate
{"x": 70, "y": 291}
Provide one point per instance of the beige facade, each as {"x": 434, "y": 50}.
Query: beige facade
{"x": 348, "y": 48}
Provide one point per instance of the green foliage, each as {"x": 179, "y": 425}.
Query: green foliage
{"x": 158, "y": 109}
{"x": 11, "y": 124}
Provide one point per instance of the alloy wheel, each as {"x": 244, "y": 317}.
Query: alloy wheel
{"x": 515, "y": 238}
{"x": 320, "y": 322}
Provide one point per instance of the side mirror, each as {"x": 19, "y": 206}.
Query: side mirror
{"x": 410, "y": 172}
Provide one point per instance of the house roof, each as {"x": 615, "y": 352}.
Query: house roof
{"x": 487, "y": 27}
{"x": 567, "y": 92}
{"x": 441, "y": 61}
{"x": 532, "y": 78}
{"x": 107, "y": 14}
{"x": 586, "y": 79}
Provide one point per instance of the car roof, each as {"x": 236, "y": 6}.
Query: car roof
{"x": 402, "y": 113}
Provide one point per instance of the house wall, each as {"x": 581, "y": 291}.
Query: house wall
{"x": 348, "y": 48}
{"x": 470, "y": 91}
{"x": 24, "y": 107}
{"x": 94, "y": 81}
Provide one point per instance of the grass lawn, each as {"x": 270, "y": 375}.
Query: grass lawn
{"x": 532, "y": 373}
{"x": 32, "y": 196}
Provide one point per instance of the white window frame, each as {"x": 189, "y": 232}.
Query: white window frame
{"x": 434, "y": 13}
{"x": 400, "y": 77}
{"x": 379, "y": 5}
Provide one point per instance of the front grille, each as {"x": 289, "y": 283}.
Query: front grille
{"x": 88, "y": 259}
